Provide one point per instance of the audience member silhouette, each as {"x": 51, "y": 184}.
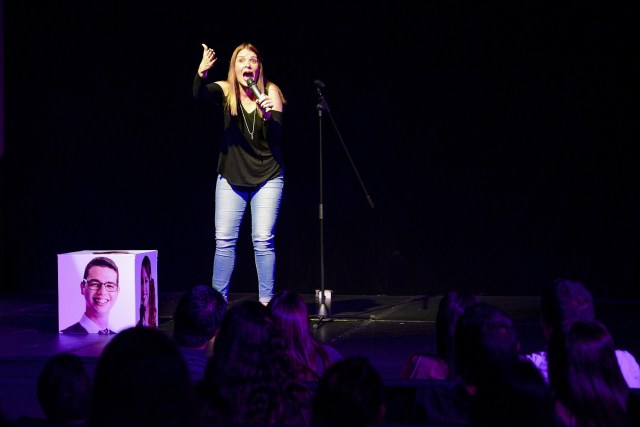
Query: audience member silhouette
{"x": 506, "y": 389}
{"x": 290, "y": 314}
{"x": 517, "y": 396}
{"x": 563, "y": 302}
{"x": 63, "y": 390}
{"x": 486, "y": 341}
{"x": 142, "y": 380}
{"x": 440, "y": 365}
{"x": 350, "y": 393}
{"x": 586, "y": 377}
{"x": 250, "y": 379}
{"x": 196, "y": 320}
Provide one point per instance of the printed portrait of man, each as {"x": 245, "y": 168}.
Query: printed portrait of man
{"x": 100, "y": 288}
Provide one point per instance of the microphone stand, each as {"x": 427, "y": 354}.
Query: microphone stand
{"x": 324, "y": 308}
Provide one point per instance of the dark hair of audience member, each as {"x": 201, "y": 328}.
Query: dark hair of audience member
{"x": 249, "y": 377}
{"x": 564, "y": 301}
{"x": 64, "y": 389}
{"x": 440, "y": 365}
{"x": 142, "y": 379}
{"x": 506, "y": 389}
{"x": 585, "y": 376}
{"x": 290, "y": 314}
{"x": 518, "y": 395}
{"x": 349, "y": 394}
{"x": 485, "y": 342}
{"x": 450, "y": 308}
{"x": 197, "y": 316}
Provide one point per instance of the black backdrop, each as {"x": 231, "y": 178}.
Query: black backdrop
{"x": 495, "y": 140}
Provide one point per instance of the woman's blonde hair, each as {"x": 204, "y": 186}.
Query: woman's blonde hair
{"x": 234, "y": 86}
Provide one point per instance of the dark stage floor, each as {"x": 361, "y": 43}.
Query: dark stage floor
{"x": 386, "y": 329}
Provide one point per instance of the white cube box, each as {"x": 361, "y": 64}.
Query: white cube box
{"x": 90, "y": 306}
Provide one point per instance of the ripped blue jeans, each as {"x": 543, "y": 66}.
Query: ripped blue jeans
{"x": 230, "y": 206}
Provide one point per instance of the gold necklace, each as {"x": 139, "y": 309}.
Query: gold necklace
{"x": 253, "y": 127}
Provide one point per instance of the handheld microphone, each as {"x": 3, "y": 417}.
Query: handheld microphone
{"x": 254, "y": 88}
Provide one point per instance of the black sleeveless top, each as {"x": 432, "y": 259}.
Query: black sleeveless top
{"x": 250, "y": 151}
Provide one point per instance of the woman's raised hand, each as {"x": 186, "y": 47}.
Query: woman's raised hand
{"x": 208, "y": 59}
